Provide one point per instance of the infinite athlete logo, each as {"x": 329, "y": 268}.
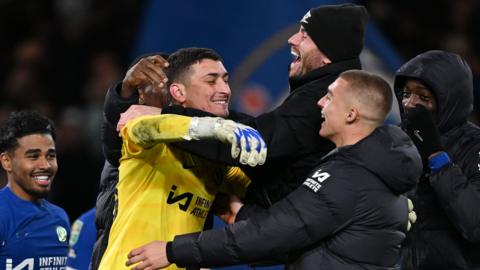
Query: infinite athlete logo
{"x": 173, "y": 199}
{"x": 314, "y": 181}
{"x": 44, "y": 263}
{"x": 202, "y": 205}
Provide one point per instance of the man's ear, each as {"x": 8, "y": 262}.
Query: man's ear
{"x": 352, "y": 115}
{"x": 6, "y": 162}
{"x": 178, "y": 93}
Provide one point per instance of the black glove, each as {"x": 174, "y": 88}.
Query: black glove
{"x": 418, "y": 123}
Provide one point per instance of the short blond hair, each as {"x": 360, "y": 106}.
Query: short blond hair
{"x": 371, "y": 92}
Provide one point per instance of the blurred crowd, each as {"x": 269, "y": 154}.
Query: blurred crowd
{"x": 60, "y": 56}
{"x": 413, "y": 27}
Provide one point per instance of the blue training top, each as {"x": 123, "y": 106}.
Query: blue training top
{"x": 32, "y": 235}
{"x": 82, "y": 239}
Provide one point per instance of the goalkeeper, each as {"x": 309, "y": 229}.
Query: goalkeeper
{"x": 163, "y": 191}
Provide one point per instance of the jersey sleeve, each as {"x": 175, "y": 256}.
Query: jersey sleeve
{"x": 3, "y": 223}
{"x": 114, "y": 105}
{"x": 146, "y": 131}
{"x": 236, "y": 182}
{"x": 82, "y": 239}
{"x": 305, "y": 217}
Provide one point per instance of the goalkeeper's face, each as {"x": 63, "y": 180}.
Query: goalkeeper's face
{"x": 207, "y": 88}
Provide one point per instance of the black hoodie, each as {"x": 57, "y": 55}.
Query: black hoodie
{"x": 348, "y": 214}
{"x": 447, "y": 232}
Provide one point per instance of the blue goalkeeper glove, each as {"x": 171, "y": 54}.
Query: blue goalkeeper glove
{"x": 246, "y": 141}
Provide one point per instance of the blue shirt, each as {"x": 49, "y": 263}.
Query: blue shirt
{"x": 82, "y": 239}
{"x": 33, "y": 235}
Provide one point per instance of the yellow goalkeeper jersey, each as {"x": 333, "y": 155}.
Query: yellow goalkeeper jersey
{"x": 163, "y": 191}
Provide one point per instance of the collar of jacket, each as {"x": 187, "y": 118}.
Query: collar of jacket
{"x": 386, "y": 152}
{"x": 324, "y": 71}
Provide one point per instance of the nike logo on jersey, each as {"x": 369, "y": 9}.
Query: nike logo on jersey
{"x": 416, "y": 132}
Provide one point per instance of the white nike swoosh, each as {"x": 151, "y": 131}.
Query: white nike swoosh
{"x": 416, "y": 132}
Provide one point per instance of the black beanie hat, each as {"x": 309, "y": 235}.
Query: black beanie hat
{"x": 337, "y": 30}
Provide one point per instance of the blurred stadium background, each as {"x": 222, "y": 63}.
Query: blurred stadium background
{"x": 60, "y": 56}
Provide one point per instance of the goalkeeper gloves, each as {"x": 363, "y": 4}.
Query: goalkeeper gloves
{"x": 412, "y": 216}
{"x": 246, "y": 141}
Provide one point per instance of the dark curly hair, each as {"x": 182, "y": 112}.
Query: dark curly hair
{"x": 20, "y": 124}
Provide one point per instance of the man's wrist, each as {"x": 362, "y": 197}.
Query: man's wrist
{"x": 126, "y": 91}
{"x": 204, "y": 127}
{"x": 438, "y": 160}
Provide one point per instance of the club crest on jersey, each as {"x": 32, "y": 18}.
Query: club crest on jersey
{"x": 61, "y": 234}
{"x": 315, "y": 180}
{"x": 75, "y": 232}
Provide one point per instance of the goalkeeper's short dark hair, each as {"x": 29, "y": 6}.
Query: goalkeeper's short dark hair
{"x": 181, "y": 61}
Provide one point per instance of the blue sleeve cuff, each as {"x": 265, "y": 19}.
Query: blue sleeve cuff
{"x": 438, "y": 161}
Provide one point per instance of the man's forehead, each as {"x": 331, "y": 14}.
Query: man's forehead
{"x": 416, "y": 84}
{"x": 339, "y": 81}
{"x": 207, "y": 67}
{"x": 36, "y": 141}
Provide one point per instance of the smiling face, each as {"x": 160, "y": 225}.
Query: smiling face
{"x": 206, "y": 88}
{"x": 335, "y": 109}
{"x": 306, "y": 55}
{"x": 415, "y": 92}
{"x": 31, "y": 166}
